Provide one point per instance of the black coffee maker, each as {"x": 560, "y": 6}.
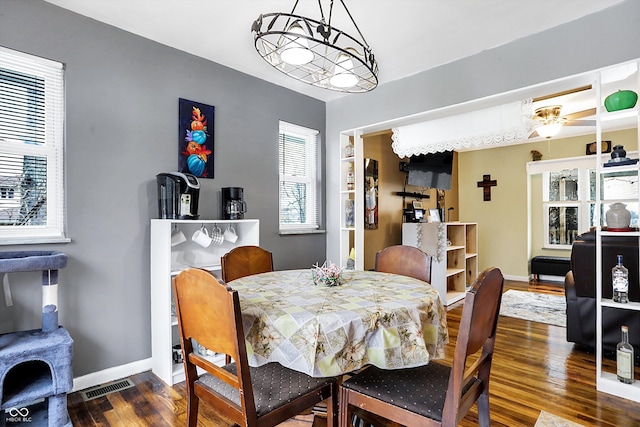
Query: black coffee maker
{"x": 178, "y": 195}
{"x": 233, "y": 204}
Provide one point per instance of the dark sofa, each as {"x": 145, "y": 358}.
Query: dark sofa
{"x": 580, "y": 292}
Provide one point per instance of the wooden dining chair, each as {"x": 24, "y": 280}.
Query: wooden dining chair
{"x": 209, "y": 312}
{"x": 437, "y": 394}
{"x": 405, "y": 260}
{"x": 245, "y": 261}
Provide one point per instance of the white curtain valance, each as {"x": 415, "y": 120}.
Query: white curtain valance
{"x": 493, "y": 126}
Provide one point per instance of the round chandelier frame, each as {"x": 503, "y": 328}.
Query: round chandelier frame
{"x": 314, "y": 52}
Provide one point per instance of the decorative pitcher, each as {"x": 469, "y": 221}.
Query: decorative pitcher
{"x": 618, "y": 217}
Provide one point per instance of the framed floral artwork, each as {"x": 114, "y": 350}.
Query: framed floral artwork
{"x": 371, "y": 194}
{"x": 195, "y": 138}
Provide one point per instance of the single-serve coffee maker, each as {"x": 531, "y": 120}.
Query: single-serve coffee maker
{"x": 178, "y": 195}
{"x": 233, "y": 204}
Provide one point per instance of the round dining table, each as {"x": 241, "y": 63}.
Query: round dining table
{"x": 387, "y": 320}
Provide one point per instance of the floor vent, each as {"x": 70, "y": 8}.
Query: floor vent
{"x": 104, "y": 389}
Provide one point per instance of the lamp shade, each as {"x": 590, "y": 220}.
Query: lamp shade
{"x": 295, "y": 50}
{"x": 549, "y": 130}
{"x": 343, "y": 76}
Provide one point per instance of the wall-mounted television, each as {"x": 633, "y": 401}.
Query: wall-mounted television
{"x": 431, "y": 170}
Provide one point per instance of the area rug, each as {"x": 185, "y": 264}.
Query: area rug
{"x": 536, "y": 307}
{"x": 546, "y": 419}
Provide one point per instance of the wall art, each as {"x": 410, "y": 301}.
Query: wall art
{"x": 371, "y": 194}
{"x": 195, "y": 138}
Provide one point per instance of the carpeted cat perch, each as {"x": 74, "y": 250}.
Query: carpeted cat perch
{"x": 36, "y": 364}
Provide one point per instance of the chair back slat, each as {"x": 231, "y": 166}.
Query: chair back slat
{"x": 404, "y": 260}
{"x": 244, "y": 261}
{"x": 477, "y": 331}
{"x": 487, "y": 293}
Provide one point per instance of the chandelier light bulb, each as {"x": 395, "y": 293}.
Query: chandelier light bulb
{"x": 295, "y": 50}
{"x": 343, "y": 76}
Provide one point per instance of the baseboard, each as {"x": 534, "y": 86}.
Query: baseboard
{"x": 111, "y": 374}
{"x": 516, "y": 278}
{"x": 542, "y": 278}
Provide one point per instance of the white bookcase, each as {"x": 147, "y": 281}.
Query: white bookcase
{"x": 606, "y": 378}
{"x": 168, "y": 261}
{"x": 351, "y": 201}
{"x": 458, "y": 268}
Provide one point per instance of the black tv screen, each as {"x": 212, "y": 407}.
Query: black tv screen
{"x": 431, "y": 170}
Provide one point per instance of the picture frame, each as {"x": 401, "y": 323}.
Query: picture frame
{"x": 592, "y": 147}
{"x": 195, "y": 138}
{"x": 371, "y": 194}
{"x": 434, "y": 215}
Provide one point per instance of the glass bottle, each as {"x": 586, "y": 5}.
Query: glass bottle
{"x": 625, "y": 358}
{"x": 620, "y": 281}
{"x": 351, "y": 179}
{"x": 349, "y": 150}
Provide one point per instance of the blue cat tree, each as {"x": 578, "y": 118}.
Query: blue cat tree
{"x": 36, "y": 364}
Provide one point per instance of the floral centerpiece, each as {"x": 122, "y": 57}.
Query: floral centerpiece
{"x": 327, "y": 274}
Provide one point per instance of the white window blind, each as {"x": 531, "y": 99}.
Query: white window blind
{"x": 32, "y": 200}
{"x": 299, "y": 178}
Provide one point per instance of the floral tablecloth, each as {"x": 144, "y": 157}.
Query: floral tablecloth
{"x": 383, "y": 319}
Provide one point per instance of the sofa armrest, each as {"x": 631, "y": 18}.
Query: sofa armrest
{"x": 570, "y": 287}
{"x": 574, "y": 328}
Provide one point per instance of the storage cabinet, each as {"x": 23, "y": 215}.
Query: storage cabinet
{"x": 455, "y": 243}
{"x": 166, "y": 262}
{"x": 605, "y": 194}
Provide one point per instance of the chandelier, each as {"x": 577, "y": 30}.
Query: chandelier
{"x": 315, "y": 52}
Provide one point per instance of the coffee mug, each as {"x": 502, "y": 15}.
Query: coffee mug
{"x": 177, "y": 354}
{"x": 177, "y": 237}
{"x": 230, "y": 234}
{"x": 202, "y": 237}
{"x": 216, "y": 235}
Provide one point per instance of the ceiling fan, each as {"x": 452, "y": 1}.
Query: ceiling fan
{"x": 550, "y": 118}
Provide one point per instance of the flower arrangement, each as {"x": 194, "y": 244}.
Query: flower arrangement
{"x": 327, "y": 274}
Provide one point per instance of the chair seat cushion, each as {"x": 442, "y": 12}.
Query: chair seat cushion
{"x": 421, "y": 390}
{"x": 273, "y": 385}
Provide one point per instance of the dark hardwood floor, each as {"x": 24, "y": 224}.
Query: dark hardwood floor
{"x": 534, "y": 369}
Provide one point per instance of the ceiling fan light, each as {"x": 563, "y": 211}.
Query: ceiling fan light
{"x": 549, "y": 130}
{"x": 295, "y": 50}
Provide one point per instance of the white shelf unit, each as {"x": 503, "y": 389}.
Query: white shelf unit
{"x": 166, "y": 262}
{"x": 606, "y": 379}
{"x": 352, "y": 236}
{"x": 453, "y": 275}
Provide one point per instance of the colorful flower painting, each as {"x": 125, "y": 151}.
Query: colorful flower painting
{"x": 195, "y": 138}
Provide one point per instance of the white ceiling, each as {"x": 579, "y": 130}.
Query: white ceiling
{"x": 406, "y": 36}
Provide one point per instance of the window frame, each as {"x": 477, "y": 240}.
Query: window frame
{"x": 581, "y": 204}
{"x": 586, "y": 201}
{"x": 313, "y": 181}
{"x": 52, "y": 149}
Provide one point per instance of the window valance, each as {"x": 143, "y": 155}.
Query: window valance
{"x": 504, "y": 124}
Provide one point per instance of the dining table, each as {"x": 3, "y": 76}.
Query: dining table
{"x": 371, "y": 318}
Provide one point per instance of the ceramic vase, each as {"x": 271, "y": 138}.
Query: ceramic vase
{"x": 618, "y": 217}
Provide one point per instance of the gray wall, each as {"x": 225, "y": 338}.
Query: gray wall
{"x": 605, "y": 38}
{"x": 121, "y": 130}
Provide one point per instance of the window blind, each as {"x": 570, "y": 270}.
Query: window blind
{"x": 299, "y": 181}
{"x": 31, "y": 148}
